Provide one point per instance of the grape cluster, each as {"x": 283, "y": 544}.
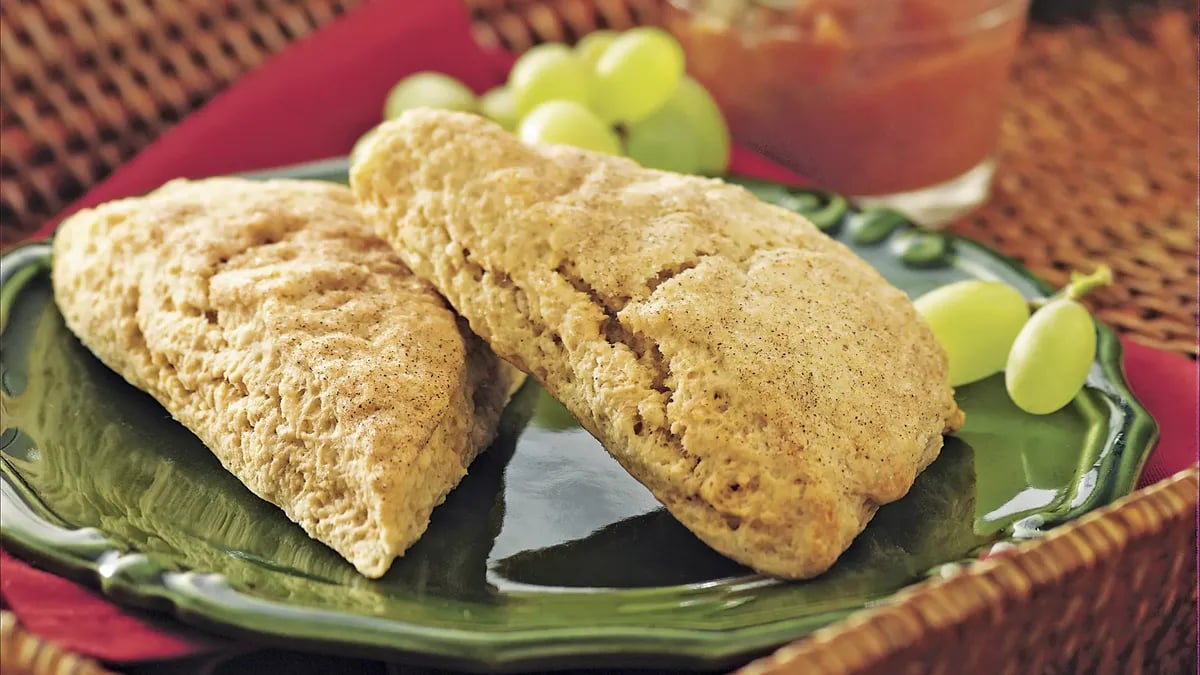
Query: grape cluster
{"x": 618, "y": 93}
{"x": 986, "y": 327}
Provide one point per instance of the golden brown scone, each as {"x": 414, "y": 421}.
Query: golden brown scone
{"x": 267, "y": 319}
{"x": 767, "y": 385}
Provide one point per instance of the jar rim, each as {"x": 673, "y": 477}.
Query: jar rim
{"x": 991, "y": 15}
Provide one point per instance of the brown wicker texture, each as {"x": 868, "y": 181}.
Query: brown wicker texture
{"x": 24, "y": 654}
{"x": 520, "y": 24}
{"x": 86, "y": 84}
{"x": 1112, "y": 593}
{"x": 1097, "y": 163}
{"x": 1097, "y": 157}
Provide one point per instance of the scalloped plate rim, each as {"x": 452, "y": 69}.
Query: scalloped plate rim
{"x": 491, "y": 651}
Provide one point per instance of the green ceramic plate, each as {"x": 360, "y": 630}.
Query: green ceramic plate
{"x": 548, "y": 554}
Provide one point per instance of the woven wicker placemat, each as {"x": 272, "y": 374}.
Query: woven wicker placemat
{"x": 85, "y": 84}
{"x": 1097, "y": 164}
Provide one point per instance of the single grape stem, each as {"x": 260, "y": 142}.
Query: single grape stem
{"x": 1080, "y": 285}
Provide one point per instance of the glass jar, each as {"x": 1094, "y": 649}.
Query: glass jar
{"x": 890, "y": 101}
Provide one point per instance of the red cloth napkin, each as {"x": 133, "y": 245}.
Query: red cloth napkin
{"x": 313, "y": 101}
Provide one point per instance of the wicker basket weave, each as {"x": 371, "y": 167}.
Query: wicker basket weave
{"x": 86, "y": 84}
{"x": 1114, "y": 592}
{"x": 24, "y": 654}
{"x": 1098, "y": 164}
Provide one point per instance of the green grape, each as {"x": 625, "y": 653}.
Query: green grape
{"x": 548, "y": 72}
{"x": 687, "y": 135}
{"x": 976, "y": 323}
{"x": 1051, "y": 357}
{"x": 593, "y": 46}
{"x": 665, "y": 140}
{"x": 692, "y": 100}
{"x": 569, "y": 123}
{"x": 637, "y": 74}
{"x": 361, "y": 144}
{"x": 499, "y": 106}
{"x": 428, "y": 90}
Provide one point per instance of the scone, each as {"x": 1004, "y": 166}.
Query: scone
{"x": 767, "y": 385}
{"x": 268, "y": 320}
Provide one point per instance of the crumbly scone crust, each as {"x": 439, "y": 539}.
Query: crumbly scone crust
{"x": 268, "y": 320}
{"x": 766, "y": 384}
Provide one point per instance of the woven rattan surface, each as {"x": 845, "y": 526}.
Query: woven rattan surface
{"x": 24, "y": 654}
{"x": 1112, "y": 593}
{"x": 1097, "y": 164}
{"x": 85, "y": 84}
